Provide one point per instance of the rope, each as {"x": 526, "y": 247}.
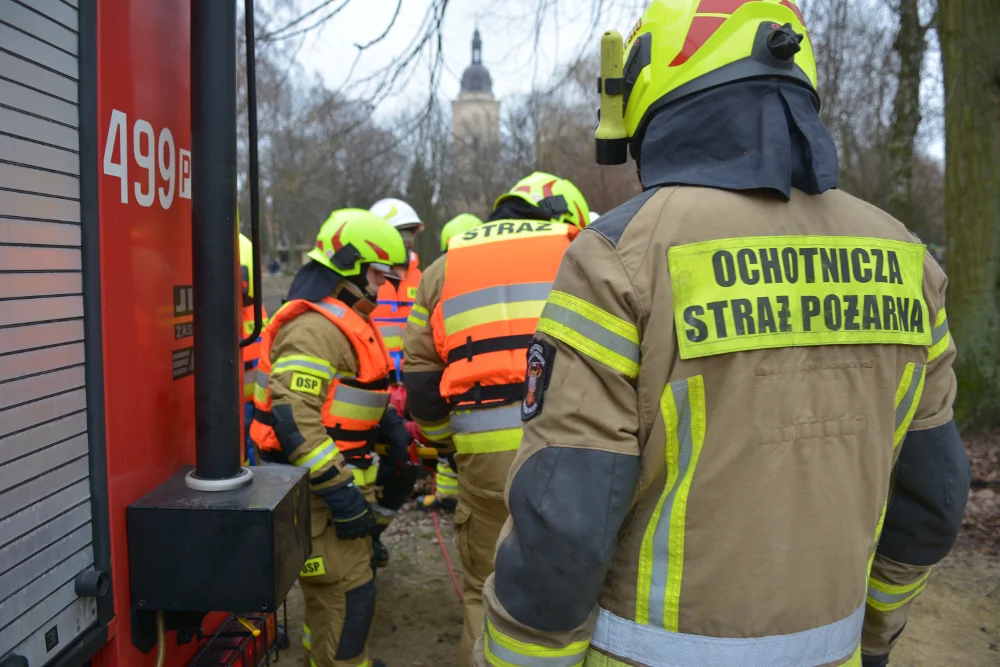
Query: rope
{"x": 444, "y": 551}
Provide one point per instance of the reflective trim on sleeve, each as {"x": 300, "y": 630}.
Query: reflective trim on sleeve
{"x": 504, "y": 651}
{"x": 661, "y": 558}
{"x": 597, "y": 333}
{"x": 304, "y": 364}
{"x": 318, "y": 458}
{"x": 435, "y": 432}
{"x": 306, "y": 637}
{"x": 908, "y": 393}
{"x": 889, "y": 597}
{"x": 940, "y": 337}
{"x": 650, "y": 645}
{"x": 418, "y": 316}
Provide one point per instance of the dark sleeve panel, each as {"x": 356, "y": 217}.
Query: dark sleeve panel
{"x": 567, "y": 506}
{"x": 932, "y": 486}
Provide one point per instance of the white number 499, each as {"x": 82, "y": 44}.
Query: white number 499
{"x": 150, "y": 155}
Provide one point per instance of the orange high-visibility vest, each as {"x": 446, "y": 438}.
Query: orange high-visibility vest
{"x": 354, "y": 403}
{"x": 251, "y": 353}
{"x": 497, "y": 278}
{"x": 394, "y": 306}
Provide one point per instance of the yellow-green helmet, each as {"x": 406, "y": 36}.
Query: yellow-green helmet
{"x": 681, "y": 47}
{"x": 458, "y": 225}
{"x": 558, "y": 197}
{"x": 246, "y": 266}
{"x": 351, "y": 237}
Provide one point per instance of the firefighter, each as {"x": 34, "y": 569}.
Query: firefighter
{"x": 321, "y": 402}
{"x": 465, "y": 345}
{"x": 251, "y": 352}
{"x": 729, "y": 370}
{"x": 395, "y": 301}
{"x": 445, "y": 477}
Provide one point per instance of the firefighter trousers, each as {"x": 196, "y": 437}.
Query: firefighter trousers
{"x": 339, "y": 591}
{"x": 478, "y": 522}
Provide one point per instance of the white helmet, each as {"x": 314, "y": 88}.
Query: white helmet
{"x": 397, "y": 212}
{"x": 594, "y": 215}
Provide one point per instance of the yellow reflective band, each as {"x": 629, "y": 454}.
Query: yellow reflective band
{"x": 248, "y": 391}
{"x": 365, "y": 477}
{"x": 393, "y": 342}
{"x": 303, "y": 364}
{"x": 940, "y": 337}
{"x": 305, "y": 384}
{"x": 306, "y": 637}
{"x": 507, "y": 231}
{"x": 435, "y": 431}
{"x": 260, "y": 394}
{"x": 317, "y": 459}
{"x": 314, "y": 567}
{"x": 497, "y": 312}
{"x": 600, "y": 335}
{"x": 783, "y": 291}
{"x": 417, "y": 318}
{"x": 488, "y": 442}
{"x": 889, "y": 597}
{"x": 908, "y": 392}
{"x": 420, "y": 310}
{"x": 503, "y": 651}
{"x": 661, "y": 556}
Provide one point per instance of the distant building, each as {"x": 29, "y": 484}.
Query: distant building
{"x": 475, "y": 118}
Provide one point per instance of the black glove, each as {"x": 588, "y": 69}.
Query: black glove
{"x": 397, "y": 482}
{"x": 352, "y": 517}
{"x": 392, "y": 432}
{"x": 875, "y": 660}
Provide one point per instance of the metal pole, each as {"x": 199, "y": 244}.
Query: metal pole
{"x": 218, "y": 376}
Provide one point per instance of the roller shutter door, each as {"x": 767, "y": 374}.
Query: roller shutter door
{"x": 45, "y": 513}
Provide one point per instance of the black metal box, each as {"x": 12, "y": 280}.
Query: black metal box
{"x": 236, "y": 551}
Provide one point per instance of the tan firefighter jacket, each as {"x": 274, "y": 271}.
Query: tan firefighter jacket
{"x": 722, "y": 384}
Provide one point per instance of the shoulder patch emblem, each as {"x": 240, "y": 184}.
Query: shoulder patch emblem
{"x": 539, "y": 370}
{"x": 306, "y": 384}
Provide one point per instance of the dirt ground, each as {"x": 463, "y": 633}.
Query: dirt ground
{"x": 954, "y": 623}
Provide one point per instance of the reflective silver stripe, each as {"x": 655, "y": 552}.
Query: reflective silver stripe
{"x": 310, "y": 459}
{"x": 522, "y": 660}
{"x": 650, "y": 645}
{"x": 366, "y": 399}
{"x": 481, "y": 421}
{"x": 417, "y": 315}
{"x": 592, "y": 330}
{"x": 336, "y": 311}
{"x": 939, "y": 332}
{"x": 493, "y": 295}
{"x": 390, "y": 330}
{"x": 281, "y": 365}
{"x": 262, "y": 379}
{"x": 893, "y": 598}
{"x": 661, "y": 538}
{"x": 249, "y": 376}
{"x": 904, "y": 406}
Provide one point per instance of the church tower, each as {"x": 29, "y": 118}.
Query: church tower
{"x": 475, "y": 127}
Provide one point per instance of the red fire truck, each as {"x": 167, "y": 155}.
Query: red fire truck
{"x": 129, "y": 534}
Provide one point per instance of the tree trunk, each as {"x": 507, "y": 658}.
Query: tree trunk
{"x": 910, "y": 45}
{"x": 970, "y": 54}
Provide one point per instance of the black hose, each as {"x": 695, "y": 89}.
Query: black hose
{"x": 258, "y": 297}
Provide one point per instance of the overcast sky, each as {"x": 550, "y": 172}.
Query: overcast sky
{"x": 516, "y": 60}
{"x": 507, "y": 29}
